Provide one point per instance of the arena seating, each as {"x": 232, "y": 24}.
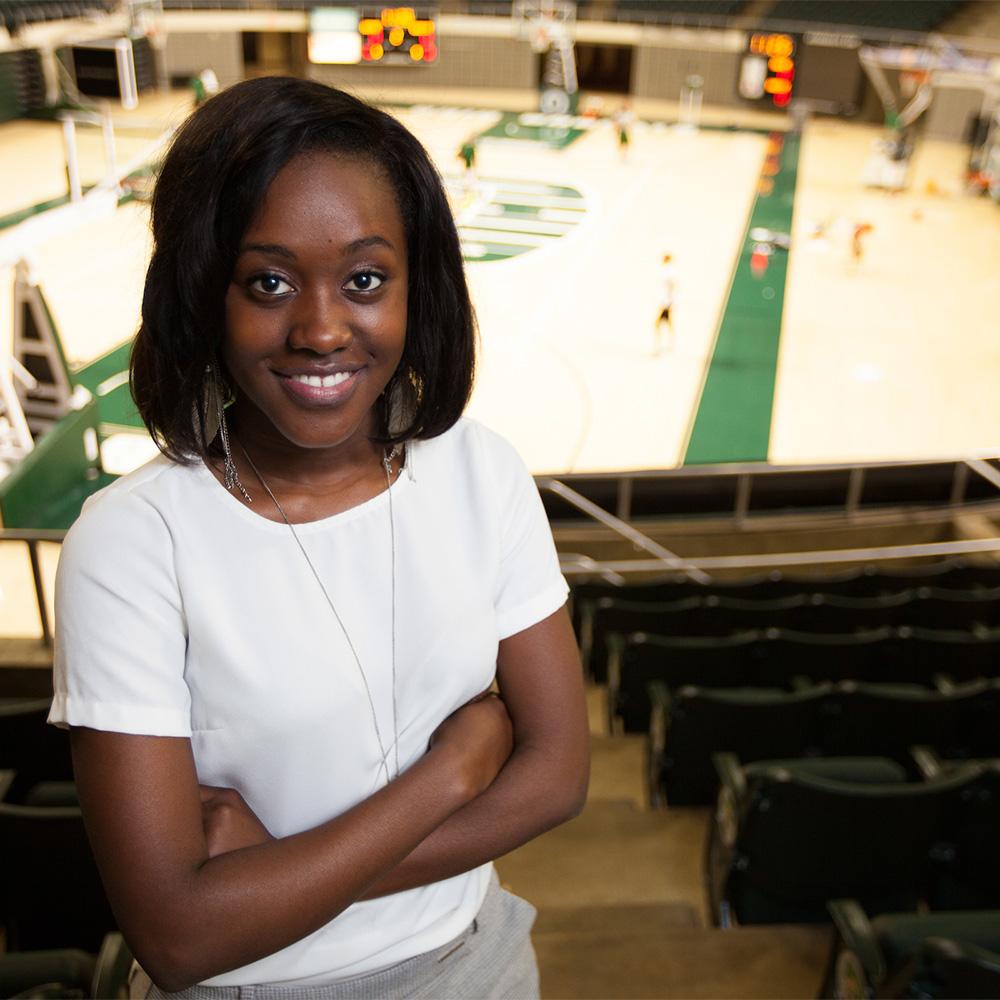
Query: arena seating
{"x": 691, "y": 724}
{"x": 665, "y": 9}
{"x": 52, "y": 896}
{"x": 785, "y": 837}
{"x": 37, "y": 754}
{"x": 15, "y": 15}
{"x": 913, "y": 954}
{"x": 777, "y": 658}
{"x": 888, "y": 14}
{"x": 721, "y": 614}
{"x": 68, "y": 972}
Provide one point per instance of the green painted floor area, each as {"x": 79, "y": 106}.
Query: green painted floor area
{"x": 523, "y": 127}
{"x": 107, "y": 378}
{"x": 60, "y": 514}
{"x": 733, "y": 420}
{"x": 498, "y": 219}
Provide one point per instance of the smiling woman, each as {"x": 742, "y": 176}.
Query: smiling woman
{"x": 275, "y": 641}
{"x": 316, "y": 314}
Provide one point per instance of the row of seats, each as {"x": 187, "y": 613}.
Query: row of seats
{"x": 690, "y": 725}
{"x": 923, "y": 16}
{"x": 788, "y": 836}
{"x": 722, "y": 614}
{"x": 865, "y": 581}
{"x": 61, "y": 936}
{"x": 15, "y": 15}
{"x": 61, "y": 939}
{"x": 912, "y": 954}
{"x": 780, "y": 658}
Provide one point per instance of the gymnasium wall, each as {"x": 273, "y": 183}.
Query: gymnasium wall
{"x": 188, "y": 53}
{"x": 660, "y": 72}
{"x": 465, "y": 61}
{"x": 952, "y": 110}
{"x": 482, "y": 52}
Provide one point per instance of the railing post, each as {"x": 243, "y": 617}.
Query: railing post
{"x": 855, "y": 486}
{"x": 744, "y": 485}
{"x": 36, "y": 572}
{"x": 959, "y": 483}
{"x": 624, "y": 505}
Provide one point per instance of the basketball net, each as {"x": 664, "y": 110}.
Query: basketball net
{"x": 540, "y": 34}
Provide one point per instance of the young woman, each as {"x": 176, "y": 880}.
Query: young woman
{"x": 274, "y": 640}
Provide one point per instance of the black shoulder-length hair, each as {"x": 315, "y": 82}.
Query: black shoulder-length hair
{"x": 212, "y": 181}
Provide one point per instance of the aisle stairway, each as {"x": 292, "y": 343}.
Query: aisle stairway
{"x": 620, "y": 900}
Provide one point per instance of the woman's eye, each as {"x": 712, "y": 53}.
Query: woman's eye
{"x": 366, "y": 281}
{"x": 270, "y": 284}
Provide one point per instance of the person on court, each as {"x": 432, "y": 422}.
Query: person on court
{"x": 314, "y": 658}
{"x": 664, "y": 321}
{"x": 467, "y": 154}
{"x": 858, "y": 234}
{"x": 622, "y": 119}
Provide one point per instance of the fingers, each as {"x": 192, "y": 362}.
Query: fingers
{"x": 483, "y": 696}
{"x": 209, "y": 792}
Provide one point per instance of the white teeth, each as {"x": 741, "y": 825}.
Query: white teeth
{"x": 321, "y": 382}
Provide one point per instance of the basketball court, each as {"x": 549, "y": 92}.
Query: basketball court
{"x": 887, "y": 358}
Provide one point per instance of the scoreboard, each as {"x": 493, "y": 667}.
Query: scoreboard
{"x": 768, "y": 68}
{"x": 400, "y": 36}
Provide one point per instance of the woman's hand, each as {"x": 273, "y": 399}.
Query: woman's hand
{"x": 229, "y": 822}
{"x": 481, "y": 736}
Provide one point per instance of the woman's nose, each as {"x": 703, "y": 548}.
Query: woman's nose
{"x": 320, "y": 322}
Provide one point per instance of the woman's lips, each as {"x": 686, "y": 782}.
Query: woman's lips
{"x": 321, "y": 389}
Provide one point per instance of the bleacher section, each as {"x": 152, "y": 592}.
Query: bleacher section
{"x": 902, "y": 954}
{"x": 15, "y": 14}
{"x": 789, "y": 836}
{"x": 864, "y": 662}
{"x": 916, "y": 15}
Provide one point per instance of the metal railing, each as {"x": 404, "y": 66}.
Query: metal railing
{"x": 658, "y": 558}
{"x": 745, "y": 481}
{"x": 32, "y": 538}
{"x": 698, "y": 567}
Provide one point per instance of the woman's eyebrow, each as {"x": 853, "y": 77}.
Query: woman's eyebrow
{"x": 277, "y": 250}
{"x": 364, "y": 243}
{"x": 272, "y": 249}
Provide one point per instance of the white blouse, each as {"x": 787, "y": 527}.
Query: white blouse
{"x": 181, "y": 612}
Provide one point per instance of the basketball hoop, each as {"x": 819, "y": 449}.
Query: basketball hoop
{"x": 539, "y": 34}
{"x": 911, "y": 80}
{"x": 542, "y": 22}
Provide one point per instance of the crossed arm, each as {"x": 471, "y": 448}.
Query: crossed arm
{"x": 190, "y": 913}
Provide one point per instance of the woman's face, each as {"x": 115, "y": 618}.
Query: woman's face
{"x": 316, "y": 309}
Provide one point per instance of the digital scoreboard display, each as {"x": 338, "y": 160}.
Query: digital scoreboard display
{"x": 768, "y": 68}
{"x": 399, "y": 36}
{"x": 333, "y": 36}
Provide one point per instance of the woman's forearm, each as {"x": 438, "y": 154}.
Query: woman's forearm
{"x": 188, "y": 917}
{"x": 247, "y": 904}
{"x": 531, "y": 794}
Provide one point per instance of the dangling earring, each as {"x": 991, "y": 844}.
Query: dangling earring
{"x": 399, "y": 409}
{"x": 214, "y": 407}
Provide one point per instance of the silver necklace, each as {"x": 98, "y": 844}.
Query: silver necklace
{"x": 387, "y": 457}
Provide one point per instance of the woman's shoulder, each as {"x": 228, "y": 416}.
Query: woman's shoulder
{"x": 468, "y": 449}
{"x": 132, "y": 504}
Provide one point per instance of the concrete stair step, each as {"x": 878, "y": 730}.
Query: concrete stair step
{"x": 681, "y": 963}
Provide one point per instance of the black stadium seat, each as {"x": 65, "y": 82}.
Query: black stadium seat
{"x": 36, "y": 752}
{"x": 789, "y": 835}
{"x": 689, "y": 725}
{"x": 50, "y": 896}
{"x": 913, "y": 954}
{"x": 707, "y": 661}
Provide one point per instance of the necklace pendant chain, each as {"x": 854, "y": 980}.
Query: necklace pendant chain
{"x": 387, "y": 458}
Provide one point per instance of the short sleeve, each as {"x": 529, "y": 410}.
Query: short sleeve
{"x": 529, "y": 585}
{"x": 120, "y": 631}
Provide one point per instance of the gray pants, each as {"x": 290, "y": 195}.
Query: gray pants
{"x": 492, "y": 959}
